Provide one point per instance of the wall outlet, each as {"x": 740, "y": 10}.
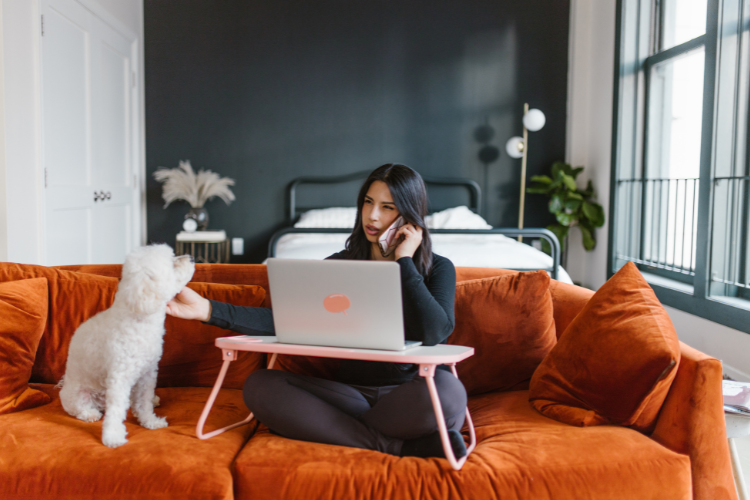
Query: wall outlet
{"x": 238, "y": 246}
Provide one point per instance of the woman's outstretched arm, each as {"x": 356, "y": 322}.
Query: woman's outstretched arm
{"x": 256, "y": 321}
{"x": 246, "y": 320}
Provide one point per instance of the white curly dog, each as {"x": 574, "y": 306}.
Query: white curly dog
{"x": 113, "y": 357}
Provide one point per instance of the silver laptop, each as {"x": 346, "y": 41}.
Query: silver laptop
{"x": 338, "y": 303}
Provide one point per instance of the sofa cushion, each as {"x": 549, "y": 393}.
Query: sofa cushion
{"x": 54, "y": 455}
{"x": 508, "y": 320}
{"x": 229, "y": 274}
{"x": 567, "y": 300}
{"x": 73, "y": 298}
{"x": 23, "y": 314}
{"x": 189, "y": 359}
{"x": 520, "y": 455}
{"x": 615, "y": 362}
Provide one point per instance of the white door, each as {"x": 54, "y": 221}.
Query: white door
{"x": 88, "y": 85}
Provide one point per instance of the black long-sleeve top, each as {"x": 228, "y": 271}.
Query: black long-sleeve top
{"x": 428, "y": 317}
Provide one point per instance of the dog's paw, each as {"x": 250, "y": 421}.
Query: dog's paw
{"x": 154, "y": 422}
{"x": 156, "y": 401}
{"x": 89, "y": 415}
{"x": 114, "y": 439}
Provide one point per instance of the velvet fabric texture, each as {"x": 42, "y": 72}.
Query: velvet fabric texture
{"x": 568, "y": 300}
{"x": 229, "y": 274}
{"x": 692, "y": 422}
{"x": 508, "y": 321}
{"x": 616, "y": 361}
{"x": 189, "y": 359}
{"x": 46, "y": 453}
{"x": 520, "y": 454}
{"x": 23, "y": 315}
{"x": 73, "y": 298}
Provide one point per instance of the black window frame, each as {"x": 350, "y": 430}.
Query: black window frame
{"x": 636, "y": 33}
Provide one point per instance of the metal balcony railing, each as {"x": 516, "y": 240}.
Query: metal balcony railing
{"x": 730, "y": 255}
{"x": 660, "y": 223}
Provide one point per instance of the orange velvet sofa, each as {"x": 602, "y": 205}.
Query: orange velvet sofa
{"x": 44, "y": 453}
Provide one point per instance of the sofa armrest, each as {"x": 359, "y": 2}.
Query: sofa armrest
{"x": 692, "y": 422}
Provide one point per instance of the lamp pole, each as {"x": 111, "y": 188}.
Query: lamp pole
{"x": 523, "y": 171}
{"x": 518, "y": 147}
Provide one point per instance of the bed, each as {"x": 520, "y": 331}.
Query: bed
{"x": 320, "y": 222}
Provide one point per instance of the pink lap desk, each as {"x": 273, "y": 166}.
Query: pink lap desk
{"x": 426, "y": 357}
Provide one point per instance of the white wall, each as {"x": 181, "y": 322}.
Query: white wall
{"x": 23, "y": 181}
{"x": 3, "y": 200}
{"x": 21, "y": 177}
{"x": 590, "y": 92}
{"x": 590, "y": 84}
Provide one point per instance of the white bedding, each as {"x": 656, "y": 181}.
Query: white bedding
{"x": 464, "y": 250}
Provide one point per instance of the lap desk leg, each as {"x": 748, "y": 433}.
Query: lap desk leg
{"x": 425, "y": 370}
{"x": 228, "y": 356}
{"x": 428, "y": 371}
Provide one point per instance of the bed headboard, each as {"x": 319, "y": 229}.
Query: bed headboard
{"x": 331, "y": 189}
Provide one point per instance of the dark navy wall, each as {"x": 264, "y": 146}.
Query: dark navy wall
{"x": 266, "y": 91}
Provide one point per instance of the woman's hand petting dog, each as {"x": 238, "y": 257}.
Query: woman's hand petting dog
{"x": 189, "y": 305}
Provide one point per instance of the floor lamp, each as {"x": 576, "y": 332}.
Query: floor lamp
{"x": 517, "y": 147}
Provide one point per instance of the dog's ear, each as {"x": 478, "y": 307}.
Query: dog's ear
{"x": 141, "y": 293}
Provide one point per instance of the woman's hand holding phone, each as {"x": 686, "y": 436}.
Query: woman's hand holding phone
{"x": 412, "y": 238}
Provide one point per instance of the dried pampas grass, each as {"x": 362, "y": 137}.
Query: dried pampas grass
{"x": 182, "y": 183}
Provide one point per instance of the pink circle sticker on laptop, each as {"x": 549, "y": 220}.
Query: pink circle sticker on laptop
{"x": 337, "y": 303}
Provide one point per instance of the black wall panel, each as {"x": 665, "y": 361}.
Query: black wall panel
{"x": 266, "y": 91}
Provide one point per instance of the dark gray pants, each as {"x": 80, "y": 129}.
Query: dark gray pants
{"x": 374, "y": 418}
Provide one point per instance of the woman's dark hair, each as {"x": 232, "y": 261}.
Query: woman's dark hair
{"x": 410, "y": 196}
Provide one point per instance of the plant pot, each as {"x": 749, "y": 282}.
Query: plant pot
{"x": 200, "y": 215}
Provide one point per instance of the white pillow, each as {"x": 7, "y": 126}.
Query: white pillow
{"x": 456, "y": 218}
{"x": 337, "y": 217}
{"x": 343, "y": 217}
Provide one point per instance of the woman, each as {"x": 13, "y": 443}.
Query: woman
{"x": 371, "y": 405}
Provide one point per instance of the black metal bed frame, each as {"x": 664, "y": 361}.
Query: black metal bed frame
{"x": 475, "y": 196}
{"x": 475, "y": 192}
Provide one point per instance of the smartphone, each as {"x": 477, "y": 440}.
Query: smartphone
{"x": 387, "y": 240}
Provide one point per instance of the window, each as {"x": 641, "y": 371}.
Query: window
{"x": 680, "y": 199}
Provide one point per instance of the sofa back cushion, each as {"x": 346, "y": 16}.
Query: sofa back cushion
{"x": 567, "y": 300}
{"x": 73, "y": 298}
{"x": 189, "y": 359}
{"x": 616, "y": 361}
{"x": 228, "y": 274}
{"x": 23, "y": 315}
{"x": 508, "y": 320}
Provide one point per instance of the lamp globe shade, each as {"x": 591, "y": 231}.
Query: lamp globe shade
{"x": 514, "y": 147}
{"x": 534, "y": 120}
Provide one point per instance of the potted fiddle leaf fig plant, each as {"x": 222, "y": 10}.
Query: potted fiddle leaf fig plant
{"x": 571, "y": 206}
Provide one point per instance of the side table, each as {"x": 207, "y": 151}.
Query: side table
{"x": 209, "y": 247}
{"x": 426, "y": 357}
